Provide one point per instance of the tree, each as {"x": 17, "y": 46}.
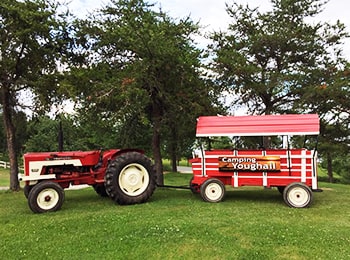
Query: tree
{"x": 43, "y": 135}
{"x": 277, "y": 62}
{"x": 20, "y": 123}
{"x": 32, "y": 42}
{"x": 330, "y": 101}
{"x": 268, "y": 60}
{"x": 190, "y": 100}
{"x": 334, "y": 145}
{"x": 143, "y": 67}
{"x": 78, "y": 134}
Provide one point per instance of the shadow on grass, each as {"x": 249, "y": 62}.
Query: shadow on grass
{"x": 254, "y": 195}
{"x": 239, "y": 195}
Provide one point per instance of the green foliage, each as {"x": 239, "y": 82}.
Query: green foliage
{"x": 78, "y": 134}
{"x": 137, "y": 77}
{"x": 278, "y": 62}
{"x": 330, "y": 101}
{"x": 142, "y": 71}
{"x": 43, "y": 134}
{"x": 20, "y": 124}
{"x": 34, "y": 40}
{"x": 93, "y": 132}
{"x": 271, "y": 60}
{"x": 251, "y": 223}
{"x": 341, "y": 165}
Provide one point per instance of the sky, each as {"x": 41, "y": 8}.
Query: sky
{"x": 211, "y": 14}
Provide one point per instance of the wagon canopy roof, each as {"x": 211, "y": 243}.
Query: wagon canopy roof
{"x": 265, "y": 125}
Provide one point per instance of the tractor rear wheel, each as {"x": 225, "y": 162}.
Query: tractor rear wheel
{"x": 297, "y": 195}
{"x": 130, "y": 179}
{"x": 212, "y": 190}
{"x": 45, "y": 196}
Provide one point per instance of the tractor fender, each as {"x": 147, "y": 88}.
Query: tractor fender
{"x": 112, "y": 154}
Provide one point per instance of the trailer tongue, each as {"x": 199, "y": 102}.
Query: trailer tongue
{"x": 292, "y": 170}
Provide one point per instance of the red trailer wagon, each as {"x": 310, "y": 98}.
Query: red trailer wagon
{"x": 292, "y": 170}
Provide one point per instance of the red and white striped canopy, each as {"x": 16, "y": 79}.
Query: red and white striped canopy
{"x": 265, "y": 125}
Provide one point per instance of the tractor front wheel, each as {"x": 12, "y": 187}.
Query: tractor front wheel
{"x": 46, "y": 196}
{"x": 130, "y": 179}
{"x": 212, "y": 190}
{"x": 26, "y": 190}
{"x": 297, "y": 195}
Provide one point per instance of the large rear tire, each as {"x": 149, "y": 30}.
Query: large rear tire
{"x": 46, "y": 196}
{"x": 130, "y": 179}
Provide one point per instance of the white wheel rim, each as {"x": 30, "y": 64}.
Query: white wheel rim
{"x": 47, "y": 198}
{"x": 298, "y": 196}
{"x": 133, "y": 179}
{"x": 213, "y": 192}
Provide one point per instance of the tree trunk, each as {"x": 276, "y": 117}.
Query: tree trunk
{"x": 157, "y": 156}
{"x": 330, "y": 168}
{"x": 173, "y": 149}
{"x": 60, "y": 137}
{"x": 267, "y": 139}
{"x": 10, "y": 138}
{"x": 173, "y": 162}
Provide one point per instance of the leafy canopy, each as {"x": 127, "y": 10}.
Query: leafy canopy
{"x": 270, "y": 59}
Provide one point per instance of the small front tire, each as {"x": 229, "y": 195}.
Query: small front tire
{"x": 26, "y": 190}
{"x": 212, "y": 190}
{"x": 46, "y": 197}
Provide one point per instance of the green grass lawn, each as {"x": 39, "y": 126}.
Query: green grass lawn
{"x": 251, "y": 223}
{"x": 4, "y": 177}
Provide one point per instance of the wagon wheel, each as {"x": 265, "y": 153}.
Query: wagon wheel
{"x": 281, "y": 189}
{"x": 297, "y": 195}
{"x": 46, "y": 196}
{"x": 212, "y": 190}
{"x": 130, "y": 179}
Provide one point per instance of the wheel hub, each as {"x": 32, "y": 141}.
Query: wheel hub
{"x": 213, "y": 191}
{"x": 133, "y": 179}
{"x": 298, "y": 197}
{"x": 47, "y": 198}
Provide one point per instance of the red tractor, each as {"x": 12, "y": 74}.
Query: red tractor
{"x": 293, "y": 171}
{"x": 126, "y": 176}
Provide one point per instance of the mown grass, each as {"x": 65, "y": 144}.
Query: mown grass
{"x": 4, "y": 177}
{"x": 251, "y": 223}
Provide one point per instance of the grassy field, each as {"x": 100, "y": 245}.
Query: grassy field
{"x": 4, "y": 177}
{"x": 251, "y": 223}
